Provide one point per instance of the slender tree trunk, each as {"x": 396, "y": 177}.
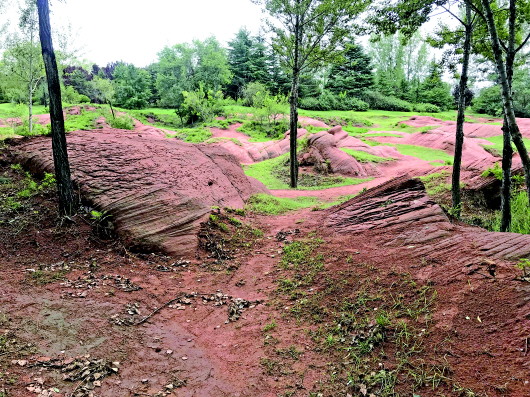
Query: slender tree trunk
{"x": 111, "y": 109}
{"x": 30, "y": 108}
{"x": 67, "y": 203}
{"x": 507, "y": 153}
{"x": 507, "y": 99}
{"x": 459, "y": 139}
{"x": 293, "y": 115}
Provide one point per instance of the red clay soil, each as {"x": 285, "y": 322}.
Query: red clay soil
{"x": 192, "y": 345}
{"x": 157, "y": 190}
{"x": 483, "y": 307}
{"x": 239, "y": 145}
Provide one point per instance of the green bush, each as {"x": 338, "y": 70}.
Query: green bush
{"x": 123, "y": 122}
{"x": 329, "y": 101}
{"x": 254, "y": 94}
{"x": 520, "y": 215}
{"x": 378, "y": 101}
{"x": 201, "y": 105}
{"x": 84, "y": 99}
{"x": 489, "y": 101}
{"x": 425, "y": 108}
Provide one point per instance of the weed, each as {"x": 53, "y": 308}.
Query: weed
{"x": 270, "y": 205}
{"x": 270, "y": 326}
{"x": 43, "y": 277}
{"x": 289, "y": 352}
{"x": 524, "y": 266}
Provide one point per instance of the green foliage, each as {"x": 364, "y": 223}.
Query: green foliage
{"x": 489, "y": 101}
{"x": 200, "y": 105}
{"x": 274, "y": 173}
{"x": 124, "y": 122}
{"x": 270, "y": 205}
{"x": 365, "y": 157}
{"x": 434, "y": 156}
{"x": 495, "y": 171}
{"x": 201, "y": 65}
{"x": 269, "y": 119}
{"x": 330, "y": 101}
{"x": 376, "y": 100}
{"x": 434, "y": 90}
{"x": 520, "y": 215}
{"x": 192, "y": 135}
{"x": 352, "y": 73}
{"x": 132, "y": 86}
{"x": 247, "y": 59}
{"x": 254, "y": 94}
{"x": 524, "y": 265}
{"x": 425, "y": 108}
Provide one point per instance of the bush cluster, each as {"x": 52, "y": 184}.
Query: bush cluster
{"x": 329, "y": 101}
{"x": 378, "y": 101}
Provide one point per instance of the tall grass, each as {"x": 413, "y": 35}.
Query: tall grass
{"x": 520, "y": 215}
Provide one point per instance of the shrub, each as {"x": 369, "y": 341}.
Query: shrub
{"x": 425, "y": 108}
{"x": 254, "y": 94}
{"x": 376, "y": 100}
{"x": 84, "y": 99}
{"x": 329, "y": 101}
{"x": 122, "y": 122}
{"x": 201, "y": 105}
{"x": 489, "y": 101}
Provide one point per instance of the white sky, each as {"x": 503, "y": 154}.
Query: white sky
{"x": 135, "y": 31}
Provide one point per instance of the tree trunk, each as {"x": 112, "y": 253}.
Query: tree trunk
{"x": 459, "y": 139}
{"x": 293, "y": 115}
{"x": 507, "y": 99}
{"x": 507, "y": 153}
{"x": 30, "y": 108}
{"x": 112, "y": 109}
{"x": 67, "y": 203}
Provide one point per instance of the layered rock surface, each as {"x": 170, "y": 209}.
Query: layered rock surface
{"x": 157, "y": 190}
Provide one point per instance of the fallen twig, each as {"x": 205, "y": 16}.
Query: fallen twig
{"x": 158, "y": 309}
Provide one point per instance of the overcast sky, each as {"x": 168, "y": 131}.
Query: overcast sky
{"x": 136, "y": 30}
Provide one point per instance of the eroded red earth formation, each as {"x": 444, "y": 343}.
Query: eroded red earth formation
{"x": 158, "y": 193}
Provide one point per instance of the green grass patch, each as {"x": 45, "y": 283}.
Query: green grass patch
{"x": 387, "y": 134}
{"x": 259, "y": 132}
{"x": 520, "y": 215}
{"x": 193, "y": 135}
{"x": 497, "y": 144}
{"x": 435, "y": 156}
{"x": 364, "y": 157}
{"x": 19, "y": 110}
{"x": 270, "y": 205}
{"x": 274, "y": 174}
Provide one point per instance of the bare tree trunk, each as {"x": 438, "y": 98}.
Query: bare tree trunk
{"x": 112, "y": 109}
{"x": 293, "y": 115}
{"x": 507, "y": 153}
{"x": 507, "y": 99}
{"x": 67, "y": 203}
{"x": 459, "y": 139}
{"x": 30, "y": 108}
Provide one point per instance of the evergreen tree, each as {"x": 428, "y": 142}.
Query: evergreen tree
{"x": 353, "y": 73}
{"x": 434, "y": 90}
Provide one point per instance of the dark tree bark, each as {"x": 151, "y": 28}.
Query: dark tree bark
{"x": 507, "y": 150}
{"x": 67, "y": 202}
{"x": 459, "y": 139}
{"x": 293, "y": 115}
{"x": 507, "y": 99}
{"x": 507, "y": 153}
